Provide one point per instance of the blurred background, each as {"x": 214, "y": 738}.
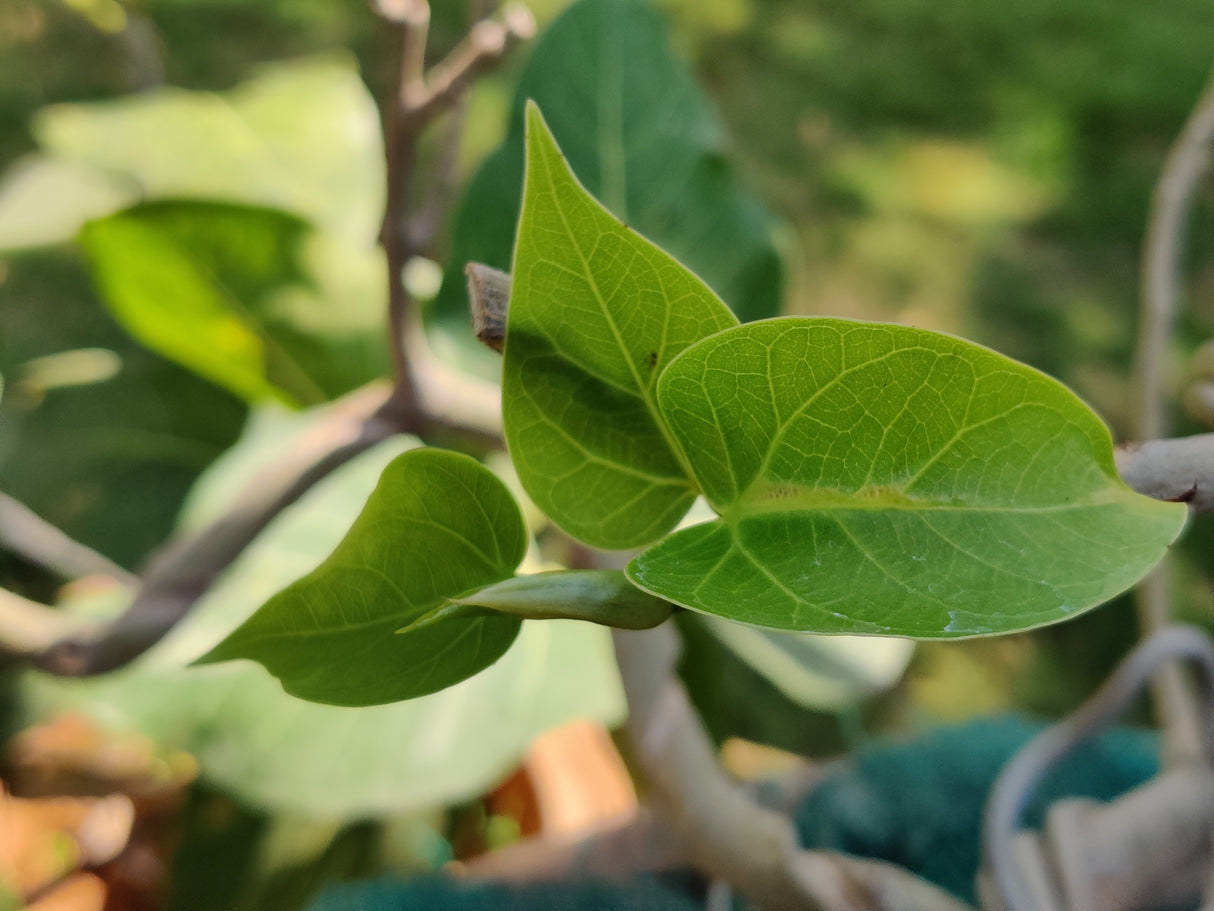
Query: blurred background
{"x": 971, "y": 166}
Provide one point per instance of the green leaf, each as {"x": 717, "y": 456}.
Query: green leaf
{"x": 596, "y": 313}
{"x": 644, "y": 139}
{"x": 229, "y": 292}
{"x": 595, "y": 596}
{"x": 881, "y": 479}
{"x": 438, "y": 524}
{"x": 274, "y": 751}
{"x": 170, "y": 302}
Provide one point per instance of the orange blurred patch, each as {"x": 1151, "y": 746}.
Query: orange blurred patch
{"x": 92, "y": 818}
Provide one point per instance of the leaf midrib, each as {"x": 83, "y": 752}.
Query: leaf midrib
{"x": 643, "y": 392}
{"x": 869, "y": 500}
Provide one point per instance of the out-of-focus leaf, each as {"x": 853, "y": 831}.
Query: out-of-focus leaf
{"x": 167, "y": 300}
{"x": 643, "y": 139}
{"x": 596, "y": 313}
{"x": 108, "y": 461}
{"x": 879, "y": 479}
{"x": 227, "y": 291}
{"x": 824, "y": 673}
{"x": 302, "y": 136}
{"x": 438, "y": 524}
{"x": 46, "y": 201}
{"x": 282, "y": 753}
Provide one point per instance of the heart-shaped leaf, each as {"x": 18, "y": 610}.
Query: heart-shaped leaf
{"x": 596, "y": 313}
{"x": 438, "y": 524}
{"x": 882, "y": 479}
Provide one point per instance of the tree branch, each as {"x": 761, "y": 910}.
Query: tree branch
{"x": 419, "y": 98}
{"x": 31, "y": 537}
{"x": 1180, "y": 470}
{"x": 1182, "y": 170}
{"x": 1175, "y": 704}
{"x": 724, "y": 832}
{"x": 27, "y": 627}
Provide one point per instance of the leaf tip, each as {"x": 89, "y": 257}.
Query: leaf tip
{"x": 539, "y": 134}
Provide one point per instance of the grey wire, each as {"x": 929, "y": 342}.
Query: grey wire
{"x": 1021, "y": 775}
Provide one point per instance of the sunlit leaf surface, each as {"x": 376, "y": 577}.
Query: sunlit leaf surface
{"x": 302, "y": 136}
{"x": 596, "y": 313}
{"x": 881, "y": 479}
{"x": 438, "y": 524}
{"x": 243, "y": 296}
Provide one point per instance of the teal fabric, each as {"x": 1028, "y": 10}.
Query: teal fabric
{"x": 435, "y": 894}
{"x": 919, "y": 804}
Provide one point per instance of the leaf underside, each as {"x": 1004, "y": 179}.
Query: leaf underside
{"x": 596, "y": 313}
{"x": 887, "y": 480}
{"x": 438, "y": 524}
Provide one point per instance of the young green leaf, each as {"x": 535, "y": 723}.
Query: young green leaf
{"x": 644, "y": 139}
{"x": 882, "y": 479}
{"x": 596, "y": 313}
{"x": 592, "y": 595}
{"x": 438, "y": 524}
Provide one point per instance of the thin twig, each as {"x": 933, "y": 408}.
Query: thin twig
{"x": 419, "y": 98}
{"x": 412, "y": 17}
{"x": 424, "y": 226}
{"x": 1175, "y": 704}
{"x": 31, "y": 537}
{"x": 481, "y": 50}
{"x": 1182, "y": 171}
{"x": 726, "y": 834}
{"x": 27, "y": 627}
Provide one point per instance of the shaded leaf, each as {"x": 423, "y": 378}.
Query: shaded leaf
{"x": 881, "y": 479}
{"x": 438, "y": 524}
{"x": 643, "y": 139}
{"x": 596, "y": 313}
{"x": 108, "y": 462}
{"x": 274, "y": 751}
